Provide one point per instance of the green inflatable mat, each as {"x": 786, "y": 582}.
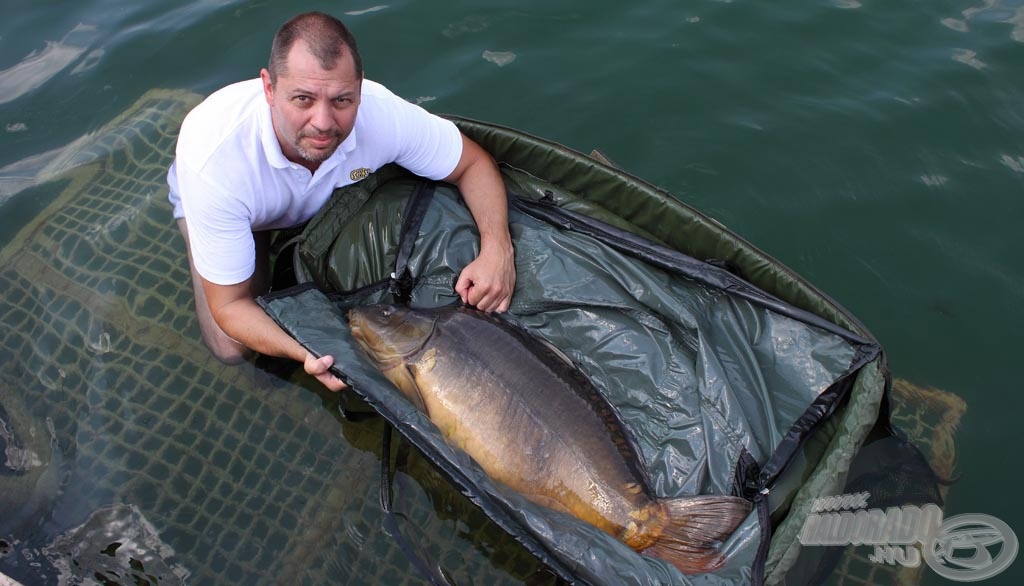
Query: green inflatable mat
{"x": 728, "y": 388}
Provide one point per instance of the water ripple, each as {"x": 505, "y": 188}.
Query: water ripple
{"x": 39, "y": 67}
{"x": 1005, "y": 11}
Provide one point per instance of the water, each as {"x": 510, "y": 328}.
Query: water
{"x": 875, "y": 148}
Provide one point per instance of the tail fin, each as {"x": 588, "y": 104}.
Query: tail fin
{"x": 693, "y": 530}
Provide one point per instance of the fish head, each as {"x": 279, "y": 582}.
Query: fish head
{"x": 390, "y": 334}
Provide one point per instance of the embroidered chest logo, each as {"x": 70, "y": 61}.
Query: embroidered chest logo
{"x": 360, "y": 173}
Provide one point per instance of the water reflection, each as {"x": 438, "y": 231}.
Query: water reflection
{"x": 39, "y": 67}
{"x": 115, "y": 545}
{"x": 968, "y": 57}
{"x": 363, "y": 11}
{"x": 30, "y": 464}
{"x": 1005, "y": 11}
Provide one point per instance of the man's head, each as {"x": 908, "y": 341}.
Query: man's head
{"x": 325, "y": 37}
{"x": 312, "y": 84}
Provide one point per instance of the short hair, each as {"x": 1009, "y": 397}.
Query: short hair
{"x": 324, "y": 35}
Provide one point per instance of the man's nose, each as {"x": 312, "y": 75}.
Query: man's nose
{"x": 322, "y": 119}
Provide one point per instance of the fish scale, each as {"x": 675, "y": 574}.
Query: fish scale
{"x": 493, "y": 354}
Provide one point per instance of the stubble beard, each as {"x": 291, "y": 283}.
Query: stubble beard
{"x": 316, "y": 155}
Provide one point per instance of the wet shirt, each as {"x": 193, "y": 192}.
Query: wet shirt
{"x": 230, "y": 177}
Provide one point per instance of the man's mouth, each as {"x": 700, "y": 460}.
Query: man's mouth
{"x": 321, "y": 141}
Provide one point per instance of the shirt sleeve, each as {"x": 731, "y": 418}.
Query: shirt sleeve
{"x": 430, "y": 146}
{"x": 219, "y": 230}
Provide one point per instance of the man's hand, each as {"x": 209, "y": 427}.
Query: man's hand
{"x": 240, "y": 318}
{"x": 487, "y": 282}
{"x": 319, "y": 368}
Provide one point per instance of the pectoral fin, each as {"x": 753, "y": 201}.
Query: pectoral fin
{"x": 416, "y": 370}
{"x": 404, "y": 379}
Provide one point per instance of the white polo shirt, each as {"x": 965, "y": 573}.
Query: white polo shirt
{"x": 230, "y": 178}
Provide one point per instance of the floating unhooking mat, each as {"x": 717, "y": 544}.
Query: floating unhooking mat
{"x": 756, "y": 386}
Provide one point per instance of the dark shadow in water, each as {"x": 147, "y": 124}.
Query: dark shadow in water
{"x": 894, "y": 466}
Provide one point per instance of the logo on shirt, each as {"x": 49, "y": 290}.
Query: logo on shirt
{"x": 360, "y": 173}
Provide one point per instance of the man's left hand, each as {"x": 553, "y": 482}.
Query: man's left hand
{"x": 487, "y": 282}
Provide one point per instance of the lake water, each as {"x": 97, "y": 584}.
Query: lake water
{"x": 875, "y": 148}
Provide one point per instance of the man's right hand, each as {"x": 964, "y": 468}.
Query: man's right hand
{"x": 242, "y": 320}
{"x": 319, "y": 368}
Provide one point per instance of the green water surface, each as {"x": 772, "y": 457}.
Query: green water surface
{"x": 877, "y": 148}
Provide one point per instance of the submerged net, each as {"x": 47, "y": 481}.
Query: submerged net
{"x": 232, "y": 475}
{"x": 131, "y": 434}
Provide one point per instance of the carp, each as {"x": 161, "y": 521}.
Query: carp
{"x": 536, "y": 424}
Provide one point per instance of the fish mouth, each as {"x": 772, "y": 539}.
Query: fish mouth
{"x": 369, "y": 341}
{"x": 360, "y": 333}
{"x": 379, "y": 344}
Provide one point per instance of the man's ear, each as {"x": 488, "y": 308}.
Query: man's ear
{"x": 268, "y": 87}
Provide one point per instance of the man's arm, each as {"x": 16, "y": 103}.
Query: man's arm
{"x": 239, "y": 316}
{"x": 488, "y": 282}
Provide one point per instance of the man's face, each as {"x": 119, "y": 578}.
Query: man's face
{"x": 313, "y": 109}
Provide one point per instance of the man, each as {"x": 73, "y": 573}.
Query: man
{"x": 267, "y": 153}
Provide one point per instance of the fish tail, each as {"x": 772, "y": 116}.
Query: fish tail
{"x": 693, "y": 529}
